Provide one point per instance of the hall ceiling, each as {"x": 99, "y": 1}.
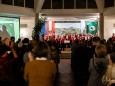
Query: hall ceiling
{"x": 73, "y": 13}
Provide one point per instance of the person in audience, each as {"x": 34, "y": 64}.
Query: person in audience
{"x": 55, "y": 51}
{"x": 108, "y": 47}
{"x": 40, "y": 71}
{"x": 28, "y": 55}
{"x": 6, "y": 41}
{"x": 12, "y": 39}
{"x": 0, "y": 40}
{"x": 95, "y": 42}
{"x": 103, "y": 41}
{"x": 18, "y": 43}
{"x": 80, "y": 58}
{"x": 112, "y": 57}
{"x": 73, "y": 52}
{"x": 98, "y": 66}
{"x": 7, "y": 76}
{"x": 25, "y": 47}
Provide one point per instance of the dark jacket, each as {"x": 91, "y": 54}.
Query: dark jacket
{"x": 112, "y": 56}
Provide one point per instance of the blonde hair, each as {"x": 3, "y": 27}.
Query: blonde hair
{"x": 101, "y": 51}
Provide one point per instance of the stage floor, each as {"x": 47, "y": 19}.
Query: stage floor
{"x": 68, "y": 50}
{"x": 66, "y": 54}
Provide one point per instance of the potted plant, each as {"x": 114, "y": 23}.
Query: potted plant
{"x": 37, "y": 29}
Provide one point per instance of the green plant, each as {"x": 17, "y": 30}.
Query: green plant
{"x": 37, "y": 29}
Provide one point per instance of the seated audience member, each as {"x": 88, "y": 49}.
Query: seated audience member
{"x": 7, "y": 77}
{"x": 98, "y": 66}
{"x": 40, "y": 71}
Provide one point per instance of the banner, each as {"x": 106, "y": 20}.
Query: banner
{"x": 92, "y": 27}
{"x": 43, "y": 30}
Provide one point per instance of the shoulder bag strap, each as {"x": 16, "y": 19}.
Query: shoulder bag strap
{"x": 95, "y": 67}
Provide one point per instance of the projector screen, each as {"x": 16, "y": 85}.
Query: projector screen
{"x": 9, "y": 27}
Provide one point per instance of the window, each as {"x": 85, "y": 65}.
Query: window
{"x": 80, "y": 4}
{"x": 68, "y": 4}
{"x": 29, "y": 3}
{"x": 109, "y": 3}
{"x": 47, "y": 4}
{"x": 92, "y": 4}
{"x": 8, "y": 2}
{"x": 19, "y": 3}
{"x": 57, "y": 4}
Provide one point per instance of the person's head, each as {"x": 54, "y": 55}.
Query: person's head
{"x": 33, "y": 43}
{"x": 100, "y": 51}
{"x": 41, "y": 50}
{"x": 19, "y": 39}
{"x": 12, "y": 39}
{"x": 95, "y": 41}
{"x": 76, "y": 41}
{"x": 25, "y": 41}
{"x": 89, "y": 43}
{"x": 103, "y": 41}
{"x": 6, "y": 41}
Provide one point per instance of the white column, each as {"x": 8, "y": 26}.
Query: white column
{"x": 36, "y": 18}
{"x": 101, "y": 26}
{"x": 82, "y": 25}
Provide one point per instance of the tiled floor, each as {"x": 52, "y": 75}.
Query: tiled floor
{"x": 65, "y": 76}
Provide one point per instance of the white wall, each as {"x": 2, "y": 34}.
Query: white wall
{"x": 9, "y": 10}
{"x": 109, "y": 28}
{"x": 26, "y": 32}
{"x": 83, "y": 25}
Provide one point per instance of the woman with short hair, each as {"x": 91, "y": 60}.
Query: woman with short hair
{"x": 40, "y": 71}
{"x": 98, "y": 66}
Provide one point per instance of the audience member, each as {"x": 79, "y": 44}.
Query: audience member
{"x": 0, "y": 40}
{"x": 7, "y": 76}
{"x": 112, "y": 56}
{"x": 40, "y": 71}
{"x": 98, "y": 66}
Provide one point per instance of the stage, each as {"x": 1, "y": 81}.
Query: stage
{"x": 66, "y": 54}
